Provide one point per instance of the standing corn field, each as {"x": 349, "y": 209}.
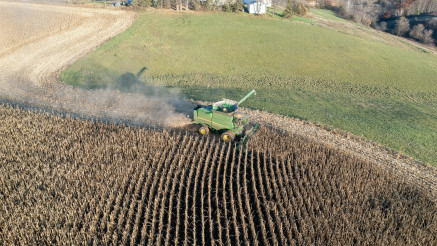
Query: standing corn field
{"x": 72, "y": 181}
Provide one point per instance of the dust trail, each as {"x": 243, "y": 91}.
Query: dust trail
{"x": 29, "y": 73}
{"x": 139, "y": 104}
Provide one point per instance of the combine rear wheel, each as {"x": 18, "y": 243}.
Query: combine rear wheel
{"x": 228, "y": 136}
{"x": 204, "y": 130}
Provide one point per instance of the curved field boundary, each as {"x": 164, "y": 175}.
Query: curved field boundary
{"x": 417, "y": 173}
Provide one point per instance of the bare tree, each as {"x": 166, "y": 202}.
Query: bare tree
{"x": 432, "y": 24}
{"x": 421, "y": 34}
{"x": 382, "y": 26}
{"x": 427, "y": 36}
{"x": 417, "y": 32}
{"x": 402, "y": 26}
{"x": 423, "y": 6}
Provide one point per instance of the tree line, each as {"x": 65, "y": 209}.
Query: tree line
{"x": 398, "y": 17}
{"x": 290, "y": 7}
{"x": 395, "y": 16}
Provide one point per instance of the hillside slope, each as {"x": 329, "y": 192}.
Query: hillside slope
{"x": 328, "y": 72}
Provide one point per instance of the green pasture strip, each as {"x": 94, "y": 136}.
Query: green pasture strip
{"x": 328, "y": 14}
{"x": 380, "y": 91}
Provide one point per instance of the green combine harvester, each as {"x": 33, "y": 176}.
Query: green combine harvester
{"x": 223, "y": 117}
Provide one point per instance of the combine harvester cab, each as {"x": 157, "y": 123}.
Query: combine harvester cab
{"x": 223, "y": 117}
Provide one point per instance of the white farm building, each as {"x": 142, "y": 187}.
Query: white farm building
{"x": 257, "y": 6}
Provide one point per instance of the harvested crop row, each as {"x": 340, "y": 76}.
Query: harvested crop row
{"x": 70, "y": 181}
{"x": 414, "y": 172}
{"x": 19, "y": 22}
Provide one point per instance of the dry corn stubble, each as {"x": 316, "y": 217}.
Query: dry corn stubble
{"x": 73, "y": 181}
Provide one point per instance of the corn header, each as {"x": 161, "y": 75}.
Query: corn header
{"x": 223, "y": 117}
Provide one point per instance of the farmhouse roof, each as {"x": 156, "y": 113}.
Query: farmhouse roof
{"x": 251, "y": 1}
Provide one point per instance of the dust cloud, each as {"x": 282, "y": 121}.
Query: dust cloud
{"x": 128, "y": 100}
{"x": 44, "y": 39}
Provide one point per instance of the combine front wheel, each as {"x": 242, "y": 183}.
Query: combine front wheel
{"x": 228, "y": 136}
{"x": 204, "y": 130}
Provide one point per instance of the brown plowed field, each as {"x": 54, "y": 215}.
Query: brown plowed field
{"x": 71, "y": 181}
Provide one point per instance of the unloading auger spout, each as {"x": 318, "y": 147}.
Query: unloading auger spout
{"x": 247, "y": 96}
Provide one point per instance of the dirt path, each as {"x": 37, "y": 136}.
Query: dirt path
{"x": 38, "y": 62}
{"x": 30, "y": 72}
{"x": 48, "y": 54}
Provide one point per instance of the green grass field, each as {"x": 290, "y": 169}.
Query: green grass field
{"x": 374, "y": 89}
